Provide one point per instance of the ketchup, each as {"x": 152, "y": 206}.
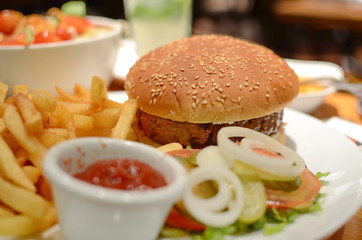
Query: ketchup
{"x": 124, "y": 174}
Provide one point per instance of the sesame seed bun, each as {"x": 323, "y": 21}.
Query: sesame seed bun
{"x": 211, "y": 79}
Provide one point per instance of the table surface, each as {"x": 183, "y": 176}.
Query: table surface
{"x": 339, "y": 104}
{"x": 343, "y": 105}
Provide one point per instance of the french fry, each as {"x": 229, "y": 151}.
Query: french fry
{"x": 32, "y": 173}
{"x": 121, "y": 130}
{"x": 98, "y": 90}
{"x": 20, "y": 88}
{"x": 62, "y": 132}
{"x": 3, "y": 127}
{"x": 170, "y": 147}
{"x": 22, "y": 200}
{"x": 108, "y": 103}
{"x": 106, "y": 118}
{"x": 17, "y": 225}
{"x": 48, "y": 139}
{"x": 3, "y": 91}
{"x": 83, "y": 122}
{"x": 44, "y": 100}
{"x": 95, "y": 132}
{"x": 5, "y": 211}
{"x": 10, "y": 168}
{"x": 85, "y": 108}
{"x": 69, "y": 97}
{"x": 17, "y": 129}
{"x": 3, "y": 106}
{"x": 32, "y": 117}
{"x": 81, "y": 92}
{"x": 49, "y": 219}
{"x": 11, "y": 141}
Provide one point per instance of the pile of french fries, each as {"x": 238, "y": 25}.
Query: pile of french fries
{"x": 31, "y": 123}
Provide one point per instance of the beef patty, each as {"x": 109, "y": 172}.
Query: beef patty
{"x": 165, "y": 131}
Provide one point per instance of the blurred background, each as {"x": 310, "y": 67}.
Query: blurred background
{"x": 327, "y": 30}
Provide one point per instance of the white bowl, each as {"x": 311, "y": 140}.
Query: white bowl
{"x": 309, "y": 102}
{"x": 89, "y": 212}
{"x": 62, "y": 63}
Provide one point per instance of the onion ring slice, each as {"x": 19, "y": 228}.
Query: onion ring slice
{"x": 222, "y": 209}
{"x": 288, "y": 165}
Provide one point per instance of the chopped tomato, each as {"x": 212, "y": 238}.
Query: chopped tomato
{"x": 45, "y": 37}
{"x": 9, "y": 19}
{"x": 63, "y": 33}
{"x": 178, "y": 220}
{"x": 298, "y": 198}
{"x": 15, "y": 39}
{"x": 81, "y": 25}
{"x": 185, "y": 153}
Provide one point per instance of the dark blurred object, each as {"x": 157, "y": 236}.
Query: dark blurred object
{"x": 233, "y": 17}
{"x": 328, "y": 30}
{"x": 106, "y": 8}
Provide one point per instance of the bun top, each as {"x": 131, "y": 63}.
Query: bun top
{"x": 211, "y": 79}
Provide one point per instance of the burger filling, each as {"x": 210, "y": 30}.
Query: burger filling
{"x": 163, "y": 131}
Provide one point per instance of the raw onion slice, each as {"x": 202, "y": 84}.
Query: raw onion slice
{"x": 288, "y": 164}
{"x": 211, "y": 156}
{"x": 225, "y": 207}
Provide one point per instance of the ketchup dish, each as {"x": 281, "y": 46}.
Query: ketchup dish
{"x": 102, "y": 188}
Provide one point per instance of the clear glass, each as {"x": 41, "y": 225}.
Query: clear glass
{"x": 157, "y": 22}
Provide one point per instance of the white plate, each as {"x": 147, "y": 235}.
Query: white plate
{"x": 324, "y": 150}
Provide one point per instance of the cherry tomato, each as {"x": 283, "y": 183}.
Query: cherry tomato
{"x": 46, "y": 37}
{"x": 63, "y": 33}
{"x": 9, "y": 19}
{"x": 15, "y": 39}
{"x": 81, "y": 25}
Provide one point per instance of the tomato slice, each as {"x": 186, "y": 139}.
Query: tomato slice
{"x": 184, "y": 153}
{"x": 178, "y": 220}
{"x": 9, "y": 20}
{"x": 299, "y": 198}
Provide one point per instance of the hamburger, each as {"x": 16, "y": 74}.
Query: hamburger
{"x": 190, "y": 88}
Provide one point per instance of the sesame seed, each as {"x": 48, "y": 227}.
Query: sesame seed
{"x": 204, "y": 102}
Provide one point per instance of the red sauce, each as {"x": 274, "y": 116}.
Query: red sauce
{"x": 124, "y": 174}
